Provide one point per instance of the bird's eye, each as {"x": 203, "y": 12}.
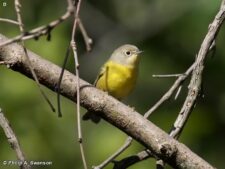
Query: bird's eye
{"x": 128, "y": 53}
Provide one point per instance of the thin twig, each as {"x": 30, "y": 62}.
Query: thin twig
{"x": 165, "y": 97}
{"x": 195, "y": 84}
{"x": 58, "y": 87}
{"x": 170, "y": 75}
{"x": 13, "y": 141}
{"x": 116, "y": 154}
{"x": 208, "y": 45}
{"x": 180, "y": 120}
{"x": 74, "y": 48}
{"x": 9, "y": 21}
{"x": 128, "y": 161}
{"x": 178, "y": 92}
{"x": 196, "y": 79}
{"x": 169, "y": 93}
{"x": 42, "y": 30}
{"x": 21, "y": 26}
{"x": 88, "y": 41}
{"x": 130, "y": 121}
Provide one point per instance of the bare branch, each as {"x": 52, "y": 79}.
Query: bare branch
{"x": 166, "y": 96}
{"x": 58, "y": 87}
{"x": 13, "y": 141}
{"x": 170, "y": 75}
{"x": 21, "y": 26}
{"x": 121, "y": 116}
{"x": 207, "y": 45}
{"x": 178, "y": 92}
{"x": 169, "y": 93}
{"x": 116, "y": 154}
{"x": 9, "y": 21}
{"x": 128, "y": 161}
{"x": 196, "y": 79}
{"x": 74, "y": 49}
{"x": 42, "y": 30}
{"x": 88, "y": 41}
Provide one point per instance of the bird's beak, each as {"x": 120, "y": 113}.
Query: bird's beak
{"x": 140, "y": 51}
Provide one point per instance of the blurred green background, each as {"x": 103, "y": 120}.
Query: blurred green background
{"x": 169, "y": 32}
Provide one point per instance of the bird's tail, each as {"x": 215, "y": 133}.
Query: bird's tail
{"x": 91, "y": 116}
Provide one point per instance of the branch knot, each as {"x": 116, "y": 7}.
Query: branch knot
{"x": 168, "y": 150}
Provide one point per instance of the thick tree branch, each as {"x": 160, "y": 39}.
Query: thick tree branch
{"x": 123, "y": 117}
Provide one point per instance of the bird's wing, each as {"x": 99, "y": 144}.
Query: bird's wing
{"x": 101, "y": 73}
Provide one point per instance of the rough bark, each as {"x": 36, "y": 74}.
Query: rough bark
{"x": 121, "y": 116}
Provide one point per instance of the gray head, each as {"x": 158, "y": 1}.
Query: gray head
{"x": 126, "y": 55}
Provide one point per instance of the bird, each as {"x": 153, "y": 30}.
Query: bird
{"x": 118, "y": 75}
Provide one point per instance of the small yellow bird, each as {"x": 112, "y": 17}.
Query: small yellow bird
{"x": 118, "y": 75}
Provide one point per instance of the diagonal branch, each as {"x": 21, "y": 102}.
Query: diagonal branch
{"x": 9, "y": 21}
{"x": 42, "y": 30}
{"x": 128, "y": 161}
{"x": 121, "y": 116}
{"x": 196, "y": 79}
{"x": 21, "y": 27}
{"x": 13, "y": 141}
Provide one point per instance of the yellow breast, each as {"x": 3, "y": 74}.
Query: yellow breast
{"x": 118, "y": 80}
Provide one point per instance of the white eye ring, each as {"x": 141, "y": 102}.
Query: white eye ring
{"x": 128, "y": 53}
